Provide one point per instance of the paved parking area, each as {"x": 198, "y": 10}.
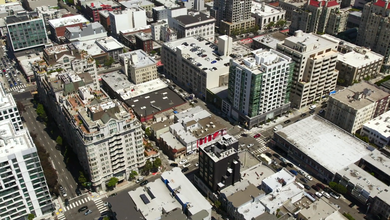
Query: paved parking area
{"x": 10, "y": 76}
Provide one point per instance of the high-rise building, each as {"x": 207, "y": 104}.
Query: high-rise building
{"x": 373, "y": 30}
{"x": 8, "y": 110}
{"x": 26, "y": 31}
{"x": 232, "y": 15}
{"x": 315, "y": 60}
{"x": 259, "y": 86}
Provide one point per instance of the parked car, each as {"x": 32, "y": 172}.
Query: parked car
{"x": 257, "y": 136}
{"x": 112, "y": 195}
{"x": 287, "y": 121}
{"x": 318, "y": 194}
{"x": 66, "y": 202}
{"x": 174, "y": 165}
{"x": 88, "y": 212}
{"x": 321, "y": 186}
{"x": 325, "y": 194}
{"x": 83, "y": 208}
{"x": 183, "y": 162}
{"x": 143, "y": 183}
{"x": 313, "y": 107}
{"x": 78, "y": 192}
{"x": 306, "y": 186}
{"x": 186, "y": 165}
{"x": 334, "y": 195}
{"x": 303, "y": 180}
{"x": 309, "y": 177}
{"x": 303, "y": 114}
{"x": 294, "y": 172}
{"x": 276, "y": 155}
{"x": 316, "y": 188}
{"x": 185, "y": 169}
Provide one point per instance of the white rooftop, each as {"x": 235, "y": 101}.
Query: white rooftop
{"x": 384, "y": 196}
{"x": 66, "y": 21}
{"x": 109, "y": 43}
{"x": 6, "y": 100}
{"x": 143, "y": 59}
{"x": 185, "y": 191}
{"x": 320, "y": 209}
{"x": 171, "y": 140}
{"x": 359, "y": 60}
{"x": 274, "y": 200}
{"x": 274, "y": 181}
{"x": 311, "y": 41}
{"x": 162, "y": 201}
{"x": 380, "y": 124}
{"x": 325, "y": 143}
{"x": 256, "y": 174}
{"x": 131, "y": 3}
{"x": 379, "y": 160}
{"x": 13, "y": 141}
{"x": 368, "y": 182}
{"x": 267, "y": 10}
{"x": 26, "y": 61}
{"x": 89, "y": 46}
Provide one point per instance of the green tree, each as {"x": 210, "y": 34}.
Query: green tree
{"x": 41, "y": 112}
{"x": 148, "y": 132}
{"x": 332, "y": 184}
{"x": 157, "y": 162}
{"x": 281, "y": 23}
{"x": 59, "y": 140}
{"x": 217, "y": 204}
{"x": 82, "y": 179}
{"x": 348, "y": 216}
{"x": 30, "y": 216}
{"x": 148, "y": 166}
{"x": 106, "y": 218}
{"x": 255, "y": 29}
{"x": 112, "y": 182}
{"x": 270, "y": 25}
{"x": 97, "y": 63}
{"x": 133, "y": 174}
{"x": 340, "y": 189}
{"x": 109, "y": 61}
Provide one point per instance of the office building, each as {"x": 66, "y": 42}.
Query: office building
{"x": 9, "y": 111}
{"x": 135, "y": 17}
{"x": 89, "y": 32}
{"x": 145, "y": 4}
{"x": 138, "y": 66}
{"x": 377, "y": 130}
{"x": 290, "y": 6}
{"x": 319, "y": 17}
{"x": 104, "y": 133}
{"x": 380, "y": 206}
{"x": 266, "y": 14}
{"x": 320, "y": 147}
{"x": 314, "y": 75}
{"x": 26, "y": 31}
{"x": 220, "y": 162}
{"x": 92, "y": 8}
{"x": 372, "y": 32}
{"x": 355, "y": 105}
{"x": 232, "y": 15}
{"x": 58, "y": 26}
{"x": 259, "y": 86}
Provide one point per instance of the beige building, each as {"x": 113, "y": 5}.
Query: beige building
{"x": 314, "y": 75}
{"x": 321, "y": 209}
{"x": 227, "y": 27}
{"x": 352, "y": 107}
{"x": 291, "y": 5}
{"x": 138, "y": 66}
{"x": 266, "y": 14}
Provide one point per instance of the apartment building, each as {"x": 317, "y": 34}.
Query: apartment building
{"x": 162, "y": 32}
{"x": 315, "y": 60}
{"x": 291, "y": 5}
{"x": 377, "y": 130}
{"x": 232, "y": 15}
{"x": 266, "y": 14}
{"x": 92, "y": 8}
{"x": 26, "y": 31}
{"x": 259, "y": 86}
{"x": 352, "y": 107}
{"x": 138, "y": 66}
{"x": 9, "y": 111}
{"x": 373, "y": 30}
{"x": 315, "y": 17}
{"x": 135, "y": 17}
{"x": 58, "y": 26}
{"x": 104, "y": 133}
{"x": 88, "y": 32}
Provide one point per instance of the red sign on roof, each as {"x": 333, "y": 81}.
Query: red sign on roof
{"x": 323, "y": 3}
{"x": 382, "y": 4}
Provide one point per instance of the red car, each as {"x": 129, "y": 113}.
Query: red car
{"x": 257, "y": 135}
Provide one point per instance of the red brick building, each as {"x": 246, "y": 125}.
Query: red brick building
{"x": 92, "y": 8}
{"x": 58, "y": 26}
{"x": 144, "y": 41}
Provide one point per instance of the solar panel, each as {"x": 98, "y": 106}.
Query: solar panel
{"x": 144, "y": 199}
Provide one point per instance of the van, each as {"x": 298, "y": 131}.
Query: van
{"x": 312, "y": 107}
{"x": 139, "y": 179}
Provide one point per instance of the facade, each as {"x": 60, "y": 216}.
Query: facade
{"x": 290, "y": 6}
{"x": 220, "y": 161}
{"x": 9, "y": 111}
{"x": 138, "y": 66}
{"x": 144, "y": 41}
{"x": 332, "y": 148}
{"x": 352, "y": 107}
{"x": 321, "y": 209}
{"x": 259, "y": 86}
{"x": 315, "y": 60}
{"x": 265, "y": 14}
{"x": 377, "y": 130}
{"x": 194, "y": 24}
{"x": 315, "y": 17}
{"x": 381, "y": 205}
{"x": 92, "y": 8}
{"x": 58, "y": 26}
{"x": 89, "y": 32}
{"x": 25, "y": 31}
{"x": 372, "y": 32}
{"x": 135, "y": 17}
{"x": 105, "y": 134}
{"x": 110, "y": 46}
{"x": 162, "y": 32}
{"x": 104, "y": 19}
{"x": 31, "y": 5}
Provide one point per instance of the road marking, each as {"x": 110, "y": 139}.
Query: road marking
{"x": 66, "y": 177}
{"x": 62, "y": 170}
{"x": 71, "y": 186}
{"x": 55, "y": 155}
{"x": 59, "y": 163}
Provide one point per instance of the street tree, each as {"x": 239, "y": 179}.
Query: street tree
{"x": 157, "y": 162}
{"x": 112, "y": 182}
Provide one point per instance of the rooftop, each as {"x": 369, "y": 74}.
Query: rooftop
{"x": 265, "y": 59}
{"x": 323, "y": 3}
{"x": 264, "y": 10}
{"x": 359, "y": 59}
{"x": 6, "y": 99}
{"x": 243, "y": 200}
{"x": 380, "y": 124}
{"x": 186, "y": 193}
{"x": 308, "y": 42}
{"x": 138, "y": 58}
{"x": 379, "y": 160}
{"x": 130, "y": 3}
{"x": 271, "y": 40}
{"x": 109, "y": 44}
{"x": 221, "y": 149}
{"x": 320, "y": 209}
{"x": 360, "y": 95}
{"x": 276, "y": 199}
{"x": 89, "y": 46}
{"x": 100, "y": 3}
{"x": 13, "y": 141}
{"x": 143, "y": 36}
{"x": 67, "y": 21}
{"x": 382, "y": 3}
{"x": 277, "y": 180}
{"x": 384, "y": 196}
{"x": 368, "y": 182}
{"x": 22, "y": 17}
{"x": 325, "y": 143}
{"x": 194, "y": 18}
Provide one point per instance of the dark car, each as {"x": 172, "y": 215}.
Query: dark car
{"x": 83, "y": 208}
{"x": 66, "y": 202}
{"x": 244, "y": 135}
{"x": 143, "y": 183}
{"x": 276, "y": 155}
{"x": 320, "y": 185}
{"x": 268, "y": 154}
{"x": 315, "y": 187}
{"x": 174, "y": 165}
{"x": 287, "y": 121}
{"x": 88, "y": 212}
{"x": 306, "y": 186}
{"x": 185, "y": 169}
{"x": 303, "y": 115}
{"x": 78, "y": 192}
{"x": 290, "y": 164}
{"x": 114, "y": 194}
{"x": 294, "y": 172}
{"x": 303, "y": 179}
{"x": 326, "y": 189}
{"x": 312, "y": 111}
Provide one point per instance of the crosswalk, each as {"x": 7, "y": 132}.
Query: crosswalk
{"x": 76, "y": 203}
{"x": 259, "y": 151}
{"x": 100, "y": 205}
{"x": 16, "y": 88}
{"x": 61, "y": 216}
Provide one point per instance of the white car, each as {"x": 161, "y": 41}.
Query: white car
{"x": 309, "y": 177}
{"x": 183, "y": 162}
{"x": 318, "y": 194}
{"x": 325, "y": 194}
{"x": 186, "y": 165}
{"x": 312, "y": 107}
{"x": 197, "y": 164}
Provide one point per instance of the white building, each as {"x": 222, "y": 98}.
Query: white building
{"x": 156, "y": 199}
{"x": 277, "y": 181}
{"x": 265, "y": 14}
{"x": 139, "y": 66}
{"x": 378, "y": 130}
{"x": 259, "y": 86}
{"x": 9, "y": 111}
{"x": 135, "y": 17}
{"x": 162, "y": 32}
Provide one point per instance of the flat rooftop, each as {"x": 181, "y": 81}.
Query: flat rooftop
{"x": 358, "y": 176}
{"x": 143, "y": 59}
{"x": 271, "y": 40}
{"x": 155, "y": 101}
{"x": 274, "y": 200}
{"x": 311, "y": 41}
{"x": 384, "y": 196}
{"x": 320, "y": 209}
{"x": 325, "y": 143}
{"x": 243, "y": 200}
{"x": 359, "y": 60}
{"x": 68, "y": 21}
{"x": 274, "y": 182}
{"x": 380, "y": 124}
{"x": 109, "y": 44}
{"x": 89, "y": 46}
{"x": 360, "y": 95}
{"x": 26, "y": 60}
{"x": 195, "y": 18}
{"x": 266, "y": 11}
{"x": 130, "y": 3}
{"x": 379, "y": 160}
{"x": 13, "y": 141}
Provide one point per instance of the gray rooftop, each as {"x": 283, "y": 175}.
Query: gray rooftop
{"x": 325, "y": 143}
{"x": 194, "y": 19}
{"x": 241, "y": 197}
{"x": 143, "y": 59}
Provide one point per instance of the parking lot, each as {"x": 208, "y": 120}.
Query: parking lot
{"x": 10, "y": 76}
